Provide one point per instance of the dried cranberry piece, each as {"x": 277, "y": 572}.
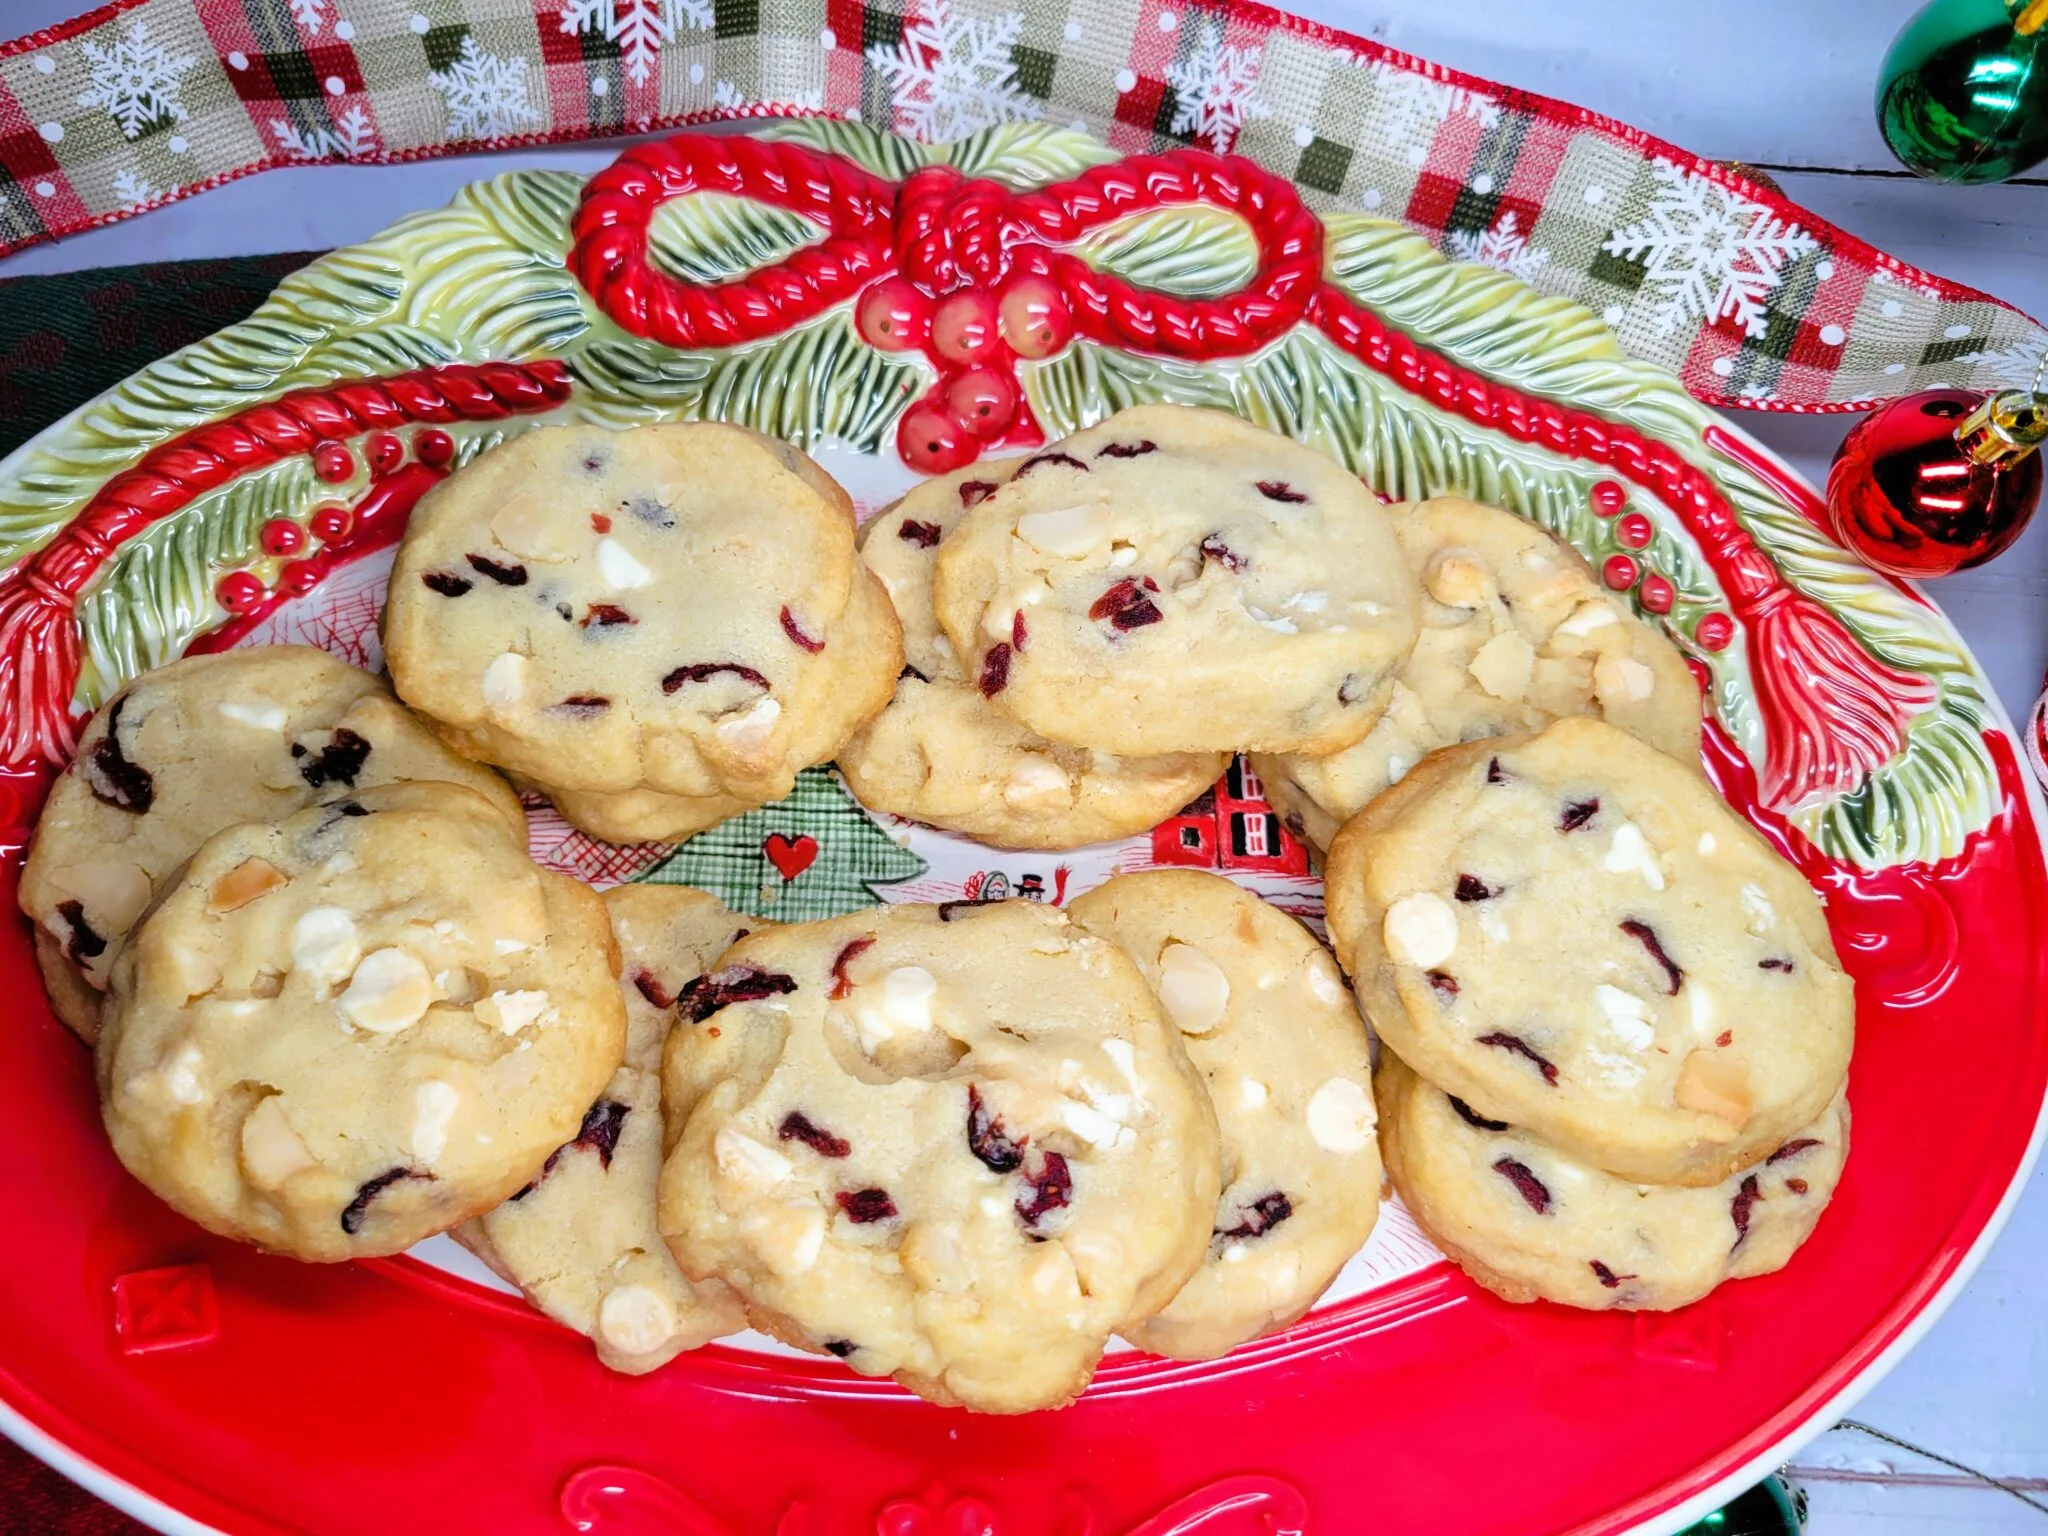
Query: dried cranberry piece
{"x": 703, "y": 671}
{"x": 509, "y": 573}
{"x": 995, "y": 670}
{"x": 1792, "y": 1149}
{"x": 842, "y": 984}
{"x": 111, "y": 777}
{"x": 1739, "y": 1208}
{"x": 985, "y": 1138}
{"x": 599, "y": 523}
{"x": 923, "y": 535}
{"x": 1576, "y": 814}
{"x": 704, "y": 996}
{"x": 447, "y": 583}
{"x": 1495, "y": 774}
{"x": 1501, "y": 1040}
{"x": 599, "y": 1132}
{"x": 1127, "y": 450}
{"x": 353, "y": 1213}
{"x": 593, "y": 463}
{"x": 1472, "y": 888}
{"x": 797, "y": 1126}
{"x": 1527, "y": 1185}
{"x": 974, "y": 492}
{"x": 583, "y": 704}
{"x": 568, "y": 614}
{"x": 1797, "y": 1186}
{"x": 346, "y": 808}
{"x": 1051, "y": 1187}
{"x": 1725, "y": 1039}
{"x": 605, "y": 616}
{"x": 1775, "y": 963}
{"x": 1346, "y": 690}
{"x": 865, "y": 1205}
{"x": 1019, "y": 631}
{"x": 910, "y": 671}
{"x": 1050, "y": 458}
{"x": 948, "y": 909}
{"x": 338, "y": 762}
{"x": 1606, "y": 1276}
{"x": 796, "y": 634}
{"x": 840, "y": 1347}
{"x": 1280, "y": 490}
{"x": 1126, "y": 606}
{"x": 1644, "y": 934}
{"x": 1443, "y": 982}
{"x": 1213, "y": 548}
{"x": 1261, "y": 1216}
{"x": 84, "y": 945}
{"x": 1472, "y": 1117}
{"x": 651, "y": 988}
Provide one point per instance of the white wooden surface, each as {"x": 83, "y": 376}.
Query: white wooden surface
{"x": 1768, "y": 82}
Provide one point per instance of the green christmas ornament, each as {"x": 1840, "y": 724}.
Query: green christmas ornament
{"x": 1963, "y": 95}
{"x": 1771, "y": 1508}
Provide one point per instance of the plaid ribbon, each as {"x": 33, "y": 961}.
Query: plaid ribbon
{"x": 1750, "y": 299}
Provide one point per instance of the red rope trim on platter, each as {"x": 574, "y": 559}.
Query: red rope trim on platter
{"x": 39, "y": 655}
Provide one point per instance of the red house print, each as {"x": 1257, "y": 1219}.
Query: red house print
{"x": 1230, "y": 827}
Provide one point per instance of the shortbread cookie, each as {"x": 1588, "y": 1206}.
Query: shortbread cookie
{"x": 1529, "y": 1222}
{"x": 1517, "y": 631}
{"x": 666, "y": 608}
{"x": 341, "y": 1033}
{"x": 650, "y": 815}
{"x": 1272, "y": 1028}
{"x": 1177, "y": 580}
{"x": 580, "y": 1241}
{"x": 193, "y": 747}
{"x": 958, "y": 1145}
{"x": 942, "y": 754}
{"x": 1572, "y": 933}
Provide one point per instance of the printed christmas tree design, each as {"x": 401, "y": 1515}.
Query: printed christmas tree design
{"x": 814, "y": 854}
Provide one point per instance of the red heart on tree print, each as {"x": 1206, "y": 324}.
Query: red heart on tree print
{"x": 791, "y": 856}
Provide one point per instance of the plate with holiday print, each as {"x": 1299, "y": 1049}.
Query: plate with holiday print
{"x": 902, "y": 309}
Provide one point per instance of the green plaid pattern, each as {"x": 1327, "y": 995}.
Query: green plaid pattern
{"x": 163, "y": 98}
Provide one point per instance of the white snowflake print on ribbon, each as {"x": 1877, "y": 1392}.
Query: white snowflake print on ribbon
{"x": 1215, "y": 89}
{"x": 1409, "y": 108}
{"x": 132, "y": 190}
{"x": 486, "y": 95}
{"x": 1502, "y": 247}
{"x": 953, "y": 75}
{"x": 1708, "y": 254}
{"x": 639, "y": 27}
{"x": 310, "y": 14}
{"x": 2020, "y": 367}
{"x": 135, "y": 80}
{"x": 351, "y": 135}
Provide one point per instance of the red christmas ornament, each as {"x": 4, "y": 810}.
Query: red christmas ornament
{"x": 1939, "y": 481}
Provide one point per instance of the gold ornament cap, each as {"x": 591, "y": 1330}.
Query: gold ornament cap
{"x": 2005, "y": 428}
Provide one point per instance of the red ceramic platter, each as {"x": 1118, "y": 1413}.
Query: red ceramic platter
{"x": 207, "y": 1387}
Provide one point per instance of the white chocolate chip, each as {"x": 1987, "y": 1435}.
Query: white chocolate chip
{"x": 433, "y": 1106}
{"x": 258, "y": 717}
{"x": 1420, "y": 930}
{"x": 747, "y": 732}
{"x": 1617, "y": 1071}
{"x": 1036, "y": 780}
{"x": 1503, "y": 666}
{"x": 1099, "y": 1258}
{"x": 1066, "y": 533}
{"x": 1627, "y": 1015}
{"x": 246, "y": 882}
{"x": 620, "y": 570}
{"x": 1340, "y": 1116}
{"x": 509, "y": 946}
{"x": 1090, "y": 1124}
{"x": 1715, "y": 1083}
{"x": 935, "y": 1258}
{"x": 788, "y": 1236}
{"x": 1622, "y": 680}
{"x": 635, "y": 1320}
{"x": 1122, "y": 554}
{"x": 1457, "y": 580}
{"x": 115, "y": 891}
{"x": 271, "y": 1150}
{"x": 505, "y": 681}
{"x": 1235, "y": 1253}
{"x": 748, "y": 1161}
{"x": 1703, "y": 1010}
{"x": 1594, "y": 613}
{"x": 510, "y": 1012}
{"x": 550, "y": 531}
{"x": 1757, "y": 912}
{"x": 1051, "y": 1272}
{"x": 1707, "y": 845}
{"x": 1629, "y": 850}
{"x": 181, "y": 1076}
{"x": 1126, "y": 1059}
{"x": 1308, "y": 602}
{"x": 1323, "y": 982}
{"x": 324, "y": 944}
{"x": 1193, "y": 988}
{"x": 390, "y": 991}
{"x": 1251, "y": 1093}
